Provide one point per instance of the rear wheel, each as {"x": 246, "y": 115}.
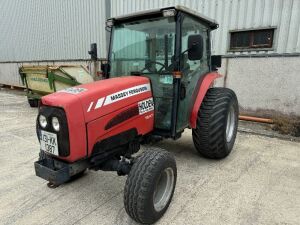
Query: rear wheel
{"x": 150, "y": 186}
{"x": 217, "y": 123}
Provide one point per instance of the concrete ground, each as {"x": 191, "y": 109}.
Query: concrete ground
{"x": 259, "y": 183}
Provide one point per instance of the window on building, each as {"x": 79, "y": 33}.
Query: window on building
{"x": 251, "y": 39}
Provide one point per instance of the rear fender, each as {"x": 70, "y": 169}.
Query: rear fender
{"x": 205, "y": 85}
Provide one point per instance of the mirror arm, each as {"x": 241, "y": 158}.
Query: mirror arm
{"x": 182, "y": 53}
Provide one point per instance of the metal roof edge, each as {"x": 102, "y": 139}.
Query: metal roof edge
{"x": 212, "y": 23}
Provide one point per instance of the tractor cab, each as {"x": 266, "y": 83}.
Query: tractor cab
{"x": 170, "y": 46}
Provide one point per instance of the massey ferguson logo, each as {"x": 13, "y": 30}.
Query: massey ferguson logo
{"x": 146, "y": 106}
{"x": 119, "y": 96}
{"x": 128, "y": 92}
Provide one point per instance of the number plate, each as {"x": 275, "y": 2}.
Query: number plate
{"x": 49, "y": 142}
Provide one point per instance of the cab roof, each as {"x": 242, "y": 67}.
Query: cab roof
{"x": 154, "y": 12}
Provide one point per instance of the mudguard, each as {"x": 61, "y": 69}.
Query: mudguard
{"x": 205, "y": 85}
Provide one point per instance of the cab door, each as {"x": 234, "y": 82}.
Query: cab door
{"x": 192, "y": 70}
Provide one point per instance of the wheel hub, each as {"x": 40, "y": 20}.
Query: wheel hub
{"x": 163, "y": 189}
{"x": 230, "y": 126}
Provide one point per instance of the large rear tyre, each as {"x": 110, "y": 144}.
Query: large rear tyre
{"x": 150, "y": 186}
{"x": 217, "y": 123}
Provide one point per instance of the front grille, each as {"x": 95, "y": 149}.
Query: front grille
{"x": 122, "y": 116}
{"x": 62, "y": 134}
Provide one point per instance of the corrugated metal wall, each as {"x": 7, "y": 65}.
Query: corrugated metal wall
{"x": 61, "y": 30}
{"x": 233, "y": 15}
{"x": 50, "y": 30}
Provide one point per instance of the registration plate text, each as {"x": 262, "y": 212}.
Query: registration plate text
{"x": 49, "y": 142}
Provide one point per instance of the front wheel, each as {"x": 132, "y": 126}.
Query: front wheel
{"x": 217, "y": 123}
{"x": 150, "y": 186}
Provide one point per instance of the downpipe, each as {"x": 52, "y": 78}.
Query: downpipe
{"x": 256, "y": 119}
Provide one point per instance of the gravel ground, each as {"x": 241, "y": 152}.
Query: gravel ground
{"x": 259, "y": 183}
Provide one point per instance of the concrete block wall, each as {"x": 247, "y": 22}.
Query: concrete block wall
{"x": 265, "y": 86}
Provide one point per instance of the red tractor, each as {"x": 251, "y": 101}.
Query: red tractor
{"x": 158, "y": 82}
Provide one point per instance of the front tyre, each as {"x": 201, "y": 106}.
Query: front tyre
{"x": 217, "y": 123}
{"x": 150, "y": 186}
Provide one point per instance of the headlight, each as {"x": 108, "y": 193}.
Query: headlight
{"x": 42, "y": 121}
{"x": 55, "y": 123}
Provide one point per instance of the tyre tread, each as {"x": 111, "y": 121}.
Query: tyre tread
{"x": 138, "y": 182}
{"x": 208, "y": 136}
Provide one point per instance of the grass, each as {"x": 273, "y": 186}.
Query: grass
{"x": 287, "y": 125}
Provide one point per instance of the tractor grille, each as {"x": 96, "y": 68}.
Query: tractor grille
{"x": 123, "y": 116}
{"x": 62, "y": 134}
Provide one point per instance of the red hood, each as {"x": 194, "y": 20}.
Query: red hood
{"x": 101, "y": 97}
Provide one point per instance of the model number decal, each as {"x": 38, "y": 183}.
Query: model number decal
{"x": 146, "y": 106}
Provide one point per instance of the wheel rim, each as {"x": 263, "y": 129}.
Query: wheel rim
{"x": 163, "y": 189}
{"x": 230, "y": 126}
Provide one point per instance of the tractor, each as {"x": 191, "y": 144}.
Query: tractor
{"x": 158, "y": 80}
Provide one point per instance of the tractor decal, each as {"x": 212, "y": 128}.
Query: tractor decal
{"x": 120, "y": 95}
{"x": 73, "y": 90}
{"x": 146, "y": 106}
{"x": 127, "y": 93}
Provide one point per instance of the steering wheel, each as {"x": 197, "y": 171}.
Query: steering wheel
{"x": 148, "y": 66}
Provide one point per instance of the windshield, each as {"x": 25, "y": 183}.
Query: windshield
{"x": 143, "y": 47}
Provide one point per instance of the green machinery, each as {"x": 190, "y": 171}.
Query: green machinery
{"x": 43, "y": 80}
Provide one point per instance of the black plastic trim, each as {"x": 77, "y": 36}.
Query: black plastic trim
{"x": 122, "y": 116}
{"x": 176, "y": 81}
{"x": 62, "y": 134}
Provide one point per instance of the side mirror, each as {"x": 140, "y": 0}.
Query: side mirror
{"x": 195, "y": 47}
{"x": 93, "y": 52}
{"x": 216, "y": 61}
{"x": 105, "y": 68}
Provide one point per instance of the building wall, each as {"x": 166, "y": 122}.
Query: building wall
{"x": 63, "y": 30}
{"x": 233, "y": 15}
{"x": 34, "y": 30}
{"x": 264, "y": 86}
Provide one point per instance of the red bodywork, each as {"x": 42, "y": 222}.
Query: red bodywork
{"x": 89, "y": 111}
{"x": 205, "y": 85}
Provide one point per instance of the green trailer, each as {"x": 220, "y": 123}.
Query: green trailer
{"x": 43, "y": 80}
